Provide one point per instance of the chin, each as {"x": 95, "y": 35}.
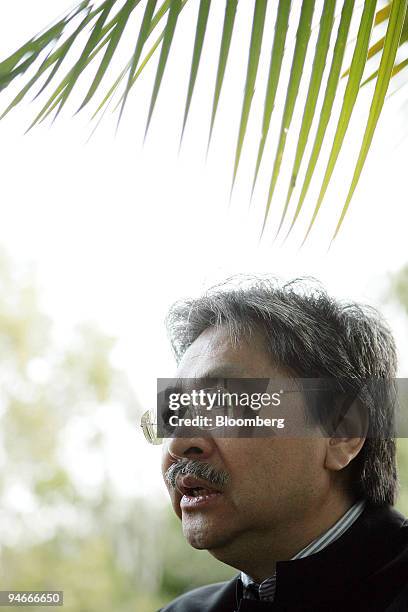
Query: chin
{"x": 198, "y": 541}
{"x": 205, "y": 539}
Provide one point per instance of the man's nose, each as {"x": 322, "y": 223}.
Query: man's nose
{"x": 191, "y": 448}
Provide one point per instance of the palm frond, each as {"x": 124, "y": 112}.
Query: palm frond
{"x": 391, "y": 43}
{"x": 89, "y": 47}
{"x": 94, "y": 30}
{"x": 53, "y": 59}
{"x": 133, "y": 62}
{"x": 141, "y": 39}
{"x": 378, "y": 46}
{"x": 121, "y": 20}
{"x": 382, "y": 14}
{"x": 353, "y": 85}
{"x": 17, "y": 63}
{"x": 227, "y": 30}
{"x": 279, "y": 39}
{"x": 299, "y": 56}
{"x": 202, "y": 20}
{"x": 252, "y": 69}
{"x": 319, "y": 63}
{"x": 328, "y": 101}
{"x": 174, "y": 11}
{"x": 401, "y": 65}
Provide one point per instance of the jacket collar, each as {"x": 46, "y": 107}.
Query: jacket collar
{"x": 370, "y": 543}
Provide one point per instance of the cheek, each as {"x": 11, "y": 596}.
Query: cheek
{"x": 300, "y": 477}
{"x": 268, "y": 468}
{"x": 300, "y": 457}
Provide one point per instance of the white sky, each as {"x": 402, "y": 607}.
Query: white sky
{"x": 118, "y": 231}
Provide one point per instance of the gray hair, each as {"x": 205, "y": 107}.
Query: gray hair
{"x": 315, "y": 336}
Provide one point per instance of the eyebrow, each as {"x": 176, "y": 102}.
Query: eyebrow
{"x": 226, "y": 371}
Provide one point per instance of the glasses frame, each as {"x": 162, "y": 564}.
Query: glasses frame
{"x": 148, "y": 424}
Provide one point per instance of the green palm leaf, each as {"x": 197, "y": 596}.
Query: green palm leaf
{"x": 350, "y": 97}
{"x": 174, "y": 11}
{"x": 229, "y": 20}
{"x": 319, "y": 63}
{"x": 132, "y": 64}
{"x": 379, "y": 45}
{"x": 103, "y": 33}
{"x": 253, "y": 61}
{"x": 121, "y": 21}
{"x": 55, "y": 58}
{"x": 56, "y": 97}
{"x": 202, "y": 20}
{"x": 397, "y": 68}
{"x": 391, "y": 43}
{"x": 299, "y": 56}
{"x": 401, "y": 65}
{"x": 107, "y": 33}
{"x": 143, "y": 34}
{"x": 328, "y": 101}
{"x": 382, "y": 14}
{"x": 278, "y": 48}
{"x": 89, "y": 47}
{"x": 13, "y": 66}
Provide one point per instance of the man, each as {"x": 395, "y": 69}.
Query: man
{"x": 306, "y": 520}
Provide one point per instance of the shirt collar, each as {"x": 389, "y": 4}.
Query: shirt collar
{"x": 267, "y": 588}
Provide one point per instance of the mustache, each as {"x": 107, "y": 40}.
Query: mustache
{"x": 193, "y": 467}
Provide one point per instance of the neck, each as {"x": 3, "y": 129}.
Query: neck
{"x": 256, "y": 553}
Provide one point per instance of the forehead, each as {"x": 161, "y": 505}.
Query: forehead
{"x": 213, "y": 354}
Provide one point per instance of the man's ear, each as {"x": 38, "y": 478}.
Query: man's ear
{"x": 349, "y": 434}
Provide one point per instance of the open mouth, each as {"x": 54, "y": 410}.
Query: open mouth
{"x": 200, "y": 492}
{"x": 194, "y": 490}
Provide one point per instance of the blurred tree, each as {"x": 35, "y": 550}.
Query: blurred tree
{"x": 399, "y": 293}
{"x": 54, "y": 535}
{"x": 58, "y": 531}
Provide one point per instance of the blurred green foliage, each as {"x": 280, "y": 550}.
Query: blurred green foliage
{"x": 105, "y": 551}
{"x": 398, "y": 294}
{"x": 399, "y": 288}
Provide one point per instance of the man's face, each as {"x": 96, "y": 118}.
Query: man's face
{"x": 274, "y": 483}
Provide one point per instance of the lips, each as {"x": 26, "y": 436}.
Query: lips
{"x": 195, "y": 487}
{"x": 192, "y": 487}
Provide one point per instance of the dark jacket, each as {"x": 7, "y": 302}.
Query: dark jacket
{"x": 366, "y": 570}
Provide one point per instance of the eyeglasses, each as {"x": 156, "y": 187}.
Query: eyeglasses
{"x": 149, "y": 424}
{"x": 149, "y": 427}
